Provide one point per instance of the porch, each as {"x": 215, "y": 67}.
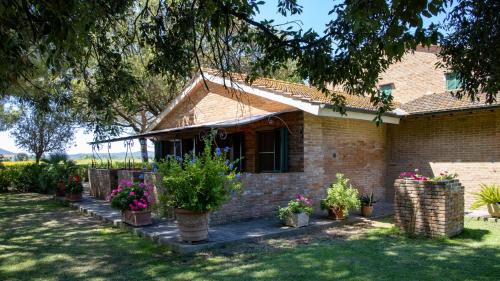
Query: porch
{"x": 165, "y": 231}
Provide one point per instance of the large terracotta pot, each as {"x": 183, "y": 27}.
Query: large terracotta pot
{"x": 494, "y": 210}
{"x": 367, "y": 211}
{"x": 193, "y": 226}
{"x": 136, "y": 218}
{"x": 336, "y": 213}
{"x": 61, "y": 188}
{"x": 74, "y": 197}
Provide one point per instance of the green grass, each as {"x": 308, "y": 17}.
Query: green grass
{"x": 41, "y": 240}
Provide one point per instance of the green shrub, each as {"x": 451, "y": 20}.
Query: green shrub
{"x": 199, "y": 184}
{"x": 341, "y": 195}
{"x": 489, "y": 194}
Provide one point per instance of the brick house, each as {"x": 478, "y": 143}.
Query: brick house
{"x": 291, "y": 141}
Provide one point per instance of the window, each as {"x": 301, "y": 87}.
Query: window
{"x": 452, "y": 82}
{"x": 272, "y": 150}
{"x": 386, "y": 89}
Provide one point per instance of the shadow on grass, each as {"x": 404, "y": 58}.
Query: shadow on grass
{"x": 40, "y": 239}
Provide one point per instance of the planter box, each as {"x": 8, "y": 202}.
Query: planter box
{"x": 429, "y": 208}
{"x": 102, "y": 181}
{"x": 76, "y": 197}
{"x": 297, "y": 220}
{"x": 137, "y": 218}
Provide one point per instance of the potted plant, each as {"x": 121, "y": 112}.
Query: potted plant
{"x": 74, "y": 189}
{"x": 489, "y": 196}
{"x": 134, "y": 200}
{"x": 297, "y": 212}
{"x": 367, "y": 204}
{"x": 196, "y": 186}
{"x": 341, "y": 197}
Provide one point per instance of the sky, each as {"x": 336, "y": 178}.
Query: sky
{"x": 314, "y": 15}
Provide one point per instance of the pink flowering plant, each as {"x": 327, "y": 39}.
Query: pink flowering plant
{"x": 413, "y": 176}
{"x": 300, "y": 204}
{"x": 131, "y": 196}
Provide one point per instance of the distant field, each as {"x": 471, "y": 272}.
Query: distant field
{"x": 15, "y": 163}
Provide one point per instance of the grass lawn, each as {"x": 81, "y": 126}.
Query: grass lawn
{"x": 41, "y": 240}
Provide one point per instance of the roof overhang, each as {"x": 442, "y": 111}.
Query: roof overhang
{"x": 208, "y": 125}
{"x": 315, "y": 108}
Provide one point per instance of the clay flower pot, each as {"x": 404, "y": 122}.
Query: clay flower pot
{"x": 193, "y": 226}
{"x": 336, "y": 213}
{"x": 61, "y": 189}
{"x": 494, "y": 210}
{"x": 297, "y": 219}
{"x": 136, "y": 218}
{"x": 74, "y": 197}
{"x": 367, "y": 211}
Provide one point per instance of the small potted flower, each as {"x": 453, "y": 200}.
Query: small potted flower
{"x": 341, "y": 197}
{"x": 74, "y": 189}
{"x": 444, "y": 176}
{"x": 134, "y": 200}
{"x": 367, "y": 204}
{"x": 297, "y": 212}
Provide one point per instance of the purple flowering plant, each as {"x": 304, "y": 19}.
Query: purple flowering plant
{"x": 132, "y": 196}
{"x": 200, "y": 183}
{"x": 300, "y": 204}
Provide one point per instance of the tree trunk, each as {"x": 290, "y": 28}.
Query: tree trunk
{"x": 38, "y": 157}
{"x": 144, "y": 149}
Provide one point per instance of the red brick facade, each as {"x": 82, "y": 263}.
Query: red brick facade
{"x": 466, "y": 143}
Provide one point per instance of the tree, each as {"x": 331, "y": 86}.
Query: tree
{"x": 361, "y": 40}
{"x": 40, "y": 131}
{"x": 22, "y": 157}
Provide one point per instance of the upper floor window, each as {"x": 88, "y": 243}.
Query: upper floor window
{"x": 386, "y": 89}
{"x": 272, "y": 150}
{"x": 452, "y": 81}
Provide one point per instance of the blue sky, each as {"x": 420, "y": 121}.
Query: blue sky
{"x": 314, "y": 15}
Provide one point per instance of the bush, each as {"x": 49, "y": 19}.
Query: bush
{"x": 199, "y": 184}
{"x": 131, "y": 196}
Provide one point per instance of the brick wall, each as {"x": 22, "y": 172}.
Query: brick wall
{"x": 464, "y": 143}
{"x": 414, "y": 76}
{"x": 355, "y": 148}
{"x": 102, "y": 181}
{"x": 432, "y": 209}
{"x": 218, "y": 104}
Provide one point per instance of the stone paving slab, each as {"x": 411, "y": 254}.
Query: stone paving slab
{"x": 481, "y": 215}
{"x": 166, "y": 233}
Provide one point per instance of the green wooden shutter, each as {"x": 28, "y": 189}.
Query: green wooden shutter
{"x": 386, "y": 89}
{"x": 158, "y": 150}
{"x": 283, "y": 150}
{"x": 452, "y": 81}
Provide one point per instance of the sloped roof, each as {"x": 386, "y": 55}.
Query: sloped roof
{"x": 299, "y": 91}
{"x": 442, "y": 102}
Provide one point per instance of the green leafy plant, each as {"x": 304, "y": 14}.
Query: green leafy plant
{"x": 199, "y": 183}
{"x": 301, "y": 204}
{"x": 367, "y": 199}
{"x": 444, "y": 176}
{"x": 341, "y": 195}
{"x": 489, "y": 194}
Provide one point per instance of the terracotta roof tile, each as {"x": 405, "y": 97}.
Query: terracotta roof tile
{"x": 300, "y": 91}
{"x": 441, "y": 102}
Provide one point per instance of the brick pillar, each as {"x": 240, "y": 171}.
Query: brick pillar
{"x": 429, "y": 208}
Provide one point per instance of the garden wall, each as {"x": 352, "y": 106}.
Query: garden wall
{"x": 427, "y": 208}
{"x": 102, "y": 181}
